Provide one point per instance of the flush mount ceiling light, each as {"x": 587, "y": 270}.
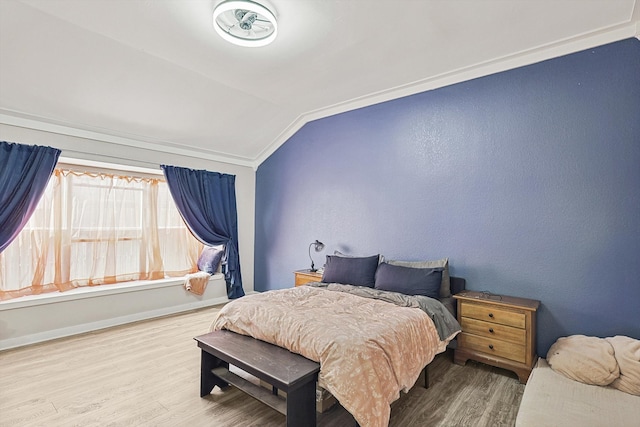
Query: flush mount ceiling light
{"x": 245, "y": 23}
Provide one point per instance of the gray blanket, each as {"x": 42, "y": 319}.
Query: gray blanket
{"x": 445, "y": 323}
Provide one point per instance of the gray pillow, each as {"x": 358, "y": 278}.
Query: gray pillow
{"x": 409, "y": 281}
{"x": 445, "y": 285}
{"x": 359, "y": 271}
{"x": 338, "y": 253}
{"x": 210, "y": 258}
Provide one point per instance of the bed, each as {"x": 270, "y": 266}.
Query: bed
{"x": 372, "y": 342}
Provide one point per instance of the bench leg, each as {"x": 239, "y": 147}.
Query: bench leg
{"x": 208, "y": 362}
{"x": 301, "y": 406}
{"x": 426, "y": 376}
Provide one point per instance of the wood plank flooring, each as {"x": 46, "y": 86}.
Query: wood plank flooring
{"x": 147, "y": 374}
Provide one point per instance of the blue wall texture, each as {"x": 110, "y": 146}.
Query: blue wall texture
{"x": 528, "y": 180}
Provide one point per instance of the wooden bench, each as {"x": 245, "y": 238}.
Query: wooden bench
{"x": 283, "y": 370}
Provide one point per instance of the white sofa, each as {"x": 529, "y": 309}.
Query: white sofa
{"x": 551, "y": 399}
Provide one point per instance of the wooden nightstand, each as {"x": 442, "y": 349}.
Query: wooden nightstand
{"x": 497, "y": 330}
{"x": 306, "y": 276}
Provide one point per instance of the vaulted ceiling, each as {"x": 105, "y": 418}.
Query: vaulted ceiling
{"x": 155, "y": 71}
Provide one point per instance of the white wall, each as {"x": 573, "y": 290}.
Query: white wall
{"x": 45, "y": 321}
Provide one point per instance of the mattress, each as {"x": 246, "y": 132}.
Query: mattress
{"x": 551, "y": 399}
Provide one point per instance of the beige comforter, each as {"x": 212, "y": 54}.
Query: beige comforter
{"x": 369, "y": 350}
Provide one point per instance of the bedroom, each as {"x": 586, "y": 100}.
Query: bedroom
{"x": 526, "y": 178}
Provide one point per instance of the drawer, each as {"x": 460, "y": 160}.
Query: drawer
{"x": 493, "y": 347}
{"x": 494, "y": 330}
{"x": 493, "y": 314}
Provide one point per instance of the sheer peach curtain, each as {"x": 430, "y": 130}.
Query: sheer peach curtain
{"x": 94, "y": 229}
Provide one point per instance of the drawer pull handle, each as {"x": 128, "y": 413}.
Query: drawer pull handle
{"x": 491, "y": 346}
{"x": 491, "y": 330}
{"x": 491, "y": 315}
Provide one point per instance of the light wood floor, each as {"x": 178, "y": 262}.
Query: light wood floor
{"x": 147, "y": 374}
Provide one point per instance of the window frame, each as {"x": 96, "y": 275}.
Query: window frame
{"x": 95, "y": 167}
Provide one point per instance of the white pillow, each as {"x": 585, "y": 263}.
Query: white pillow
{"x": 627, "y": 353}
{"x": 589, "y": 360}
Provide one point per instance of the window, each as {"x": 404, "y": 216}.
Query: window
{"x": 98, "y": 228}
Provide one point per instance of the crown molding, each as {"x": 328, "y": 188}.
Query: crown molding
{"x": 516, "y": 60}
{"x": 526, "y": 57}
{"x": 22, "y": 120}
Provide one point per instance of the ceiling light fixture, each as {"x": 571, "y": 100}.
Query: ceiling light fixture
{"x": 245, "y": 23}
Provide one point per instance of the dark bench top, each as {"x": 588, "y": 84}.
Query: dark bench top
{"x": 275, "y": 365}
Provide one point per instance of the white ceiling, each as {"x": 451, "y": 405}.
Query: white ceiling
{"x": 155, "y": 72}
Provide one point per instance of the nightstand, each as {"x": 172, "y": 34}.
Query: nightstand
{"x": 306, "y": 276}
{"x": 497, "y": 330}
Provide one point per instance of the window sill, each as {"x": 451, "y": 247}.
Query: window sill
{"x": 94, "y": 291}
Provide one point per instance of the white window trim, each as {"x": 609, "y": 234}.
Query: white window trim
{"x": 104, "y": 167}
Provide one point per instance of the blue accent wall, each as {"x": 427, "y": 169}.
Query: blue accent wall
{"x": 528, "y": 180}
